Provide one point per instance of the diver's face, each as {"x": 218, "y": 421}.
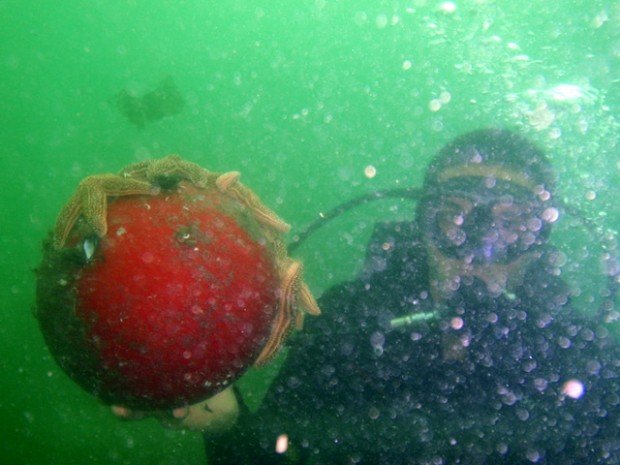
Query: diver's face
{"x": 480, "y": 222}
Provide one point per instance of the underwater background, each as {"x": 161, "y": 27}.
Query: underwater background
{"x": 315, "y": 102}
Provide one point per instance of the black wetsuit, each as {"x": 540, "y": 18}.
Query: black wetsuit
{"x": 355, "y": 390}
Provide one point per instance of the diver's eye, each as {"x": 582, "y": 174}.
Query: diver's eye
{"x": 450, "y": 218}
{"x": 510, "y": 214}
{"x": 516, "y": 222}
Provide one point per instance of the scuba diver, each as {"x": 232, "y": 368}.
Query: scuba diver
{"x": 456, "y": 344}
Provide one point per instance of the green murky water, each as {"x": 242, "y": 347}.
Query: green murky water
{"x": 307, "y": 99}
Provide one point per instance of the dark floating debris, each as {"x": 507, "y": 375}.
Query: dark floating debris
{"x": 165, "y": 100}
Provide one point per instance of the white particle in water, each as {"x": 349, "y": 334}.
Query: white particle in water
{"x": 601, "y": 18}
{"x": 573, "y": 388}
{"x": 541, "y": 384}
{"x": 377, "y": 339}
{"x": 564, "y": 342}
{"x": 89, "y": 248}
{"x": 558, "y": 259}
{"x": 534, "y": 224}
{"x": 456, "y": 323}
{"x": 282, "y": 444}
{"x": 381, "y": 21}
{"x": 434, "y": 105}
{"x": 523, "y": 414}
{"x": 448, "y": 7}
{"x": 501, "y": 448}
{"x": 555, "y": 133}
{"x": 533, "y": 455}
{"x": 550, "y": 215}
{"x": 565, "y": 92}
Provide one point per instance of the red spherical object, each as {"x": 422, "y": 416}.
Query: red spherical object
{"x": 175, "y": 302}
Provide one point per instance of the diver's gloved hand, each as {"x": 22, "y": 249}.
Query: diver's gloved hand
{"x": 216, "y": 414}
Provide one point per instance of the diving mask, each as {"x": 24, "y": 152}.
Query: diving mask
{"x": 469, "y": 220}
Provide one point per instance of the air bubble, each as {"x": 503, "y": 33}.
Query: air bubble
{"x": 434, "y": 105}
{"x": 490, "y": 182}
{"x": 558, "y": 259}
{"x": 527, "y": 239}
{"x": 550, "y": 215}
{"x": 445, "y": 97}
{"x": 523, "y": 414}
{"x": 573, "y": 388}
{"x": 533, "y": 456}
{"x": 541, "y": 384}
{"x": 534, "y": 224}
{"x": 282, "y": 444}
{"x": 543, "y": 194}
{"x": 593, "y": 367}
{"x": 377, "y": 339}
{"x": 381, "y": 21}
{"x": 89, "y": 248}
{"x": 370, "y": 171}
{"x": 456, "y": 323}
{"x": 448, "y": 7}
{"x": 564, "y": 342}
{"x": 501, "y": 448}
